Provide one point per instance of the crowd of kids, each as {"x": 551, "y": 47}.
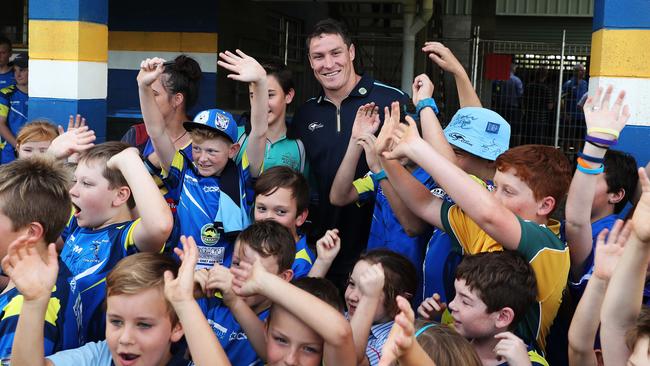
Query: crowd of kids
{"x": 188, "y": 243}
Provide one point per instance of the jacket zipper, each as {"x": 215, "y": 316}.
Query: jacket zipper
{"x": 338, "y": 120}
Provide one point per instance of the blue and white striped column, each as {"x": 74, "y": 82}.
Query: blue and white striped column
{"x": 68, "y": 67}
{"x": 620, "y": 54}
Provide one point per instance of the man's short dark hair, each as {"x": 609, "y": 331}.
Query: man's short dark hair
{"x": 500, "y": 279}
{"x": 621, "y": 174}
{"x": 330, "y": 26}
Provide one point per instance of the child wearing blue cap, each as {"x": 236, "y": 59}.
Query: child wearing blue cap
{"x": 214, "y": 193}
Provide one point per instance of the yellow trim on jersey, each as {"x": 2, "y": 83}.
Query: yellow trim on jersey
{"x": 536, "y": 357}
{"x": 302, "y": 254}
{"x": 95, "y": 284}
{"x": 68, "y": 40}
{"x": 177, "y": 163}
{"x": 14, "y": 307}
{"x": 129, "y": 235}
{"x": 4, "y": 110}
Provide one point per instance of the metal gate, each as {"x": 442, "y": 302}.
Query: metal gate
{"x": 535, "y": 87}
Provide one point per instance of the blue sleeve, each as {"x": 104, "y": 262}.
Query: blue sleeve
{"x": 90, "y": 354}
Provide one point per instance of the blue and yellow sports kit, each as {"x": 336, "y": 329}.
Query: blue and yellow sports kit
{"x": 90, "y": 255}
{"x": 13, "y": 107}
{"x": 61, "y": 329}
{"x": 213, "y": 209}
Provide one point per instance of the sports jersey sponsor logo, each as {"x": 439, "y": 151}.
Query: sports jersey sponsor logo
{"x": 237, "y": 336}
{"x": 77, "y": 249}
{"x": 314, "y": 126}
{"x": 77, "y": 308}
{"x": 210, "y": 189}
{"x": 219, "y": 330}
{"x": 209, "y": 235}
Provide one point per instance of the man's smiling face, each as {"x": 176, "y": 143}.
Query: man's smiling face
{"x": 332, "y": 61}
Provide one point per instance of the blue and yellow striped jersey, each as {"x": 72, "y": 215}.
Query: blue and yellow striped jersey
{"x": 210, "y": 209}
{"x": 61, "y": 328}
{"x": 90, "y": 255}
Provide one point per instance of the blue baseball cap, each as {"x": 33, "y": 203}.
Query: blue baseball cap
{"x": 479, "y": 131}
{"x": 216, "y": 120}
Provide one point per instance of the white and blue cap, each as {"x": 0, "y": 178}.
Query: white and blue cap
{"x": 479, "y": 131}
{"x": 216, "y": 120}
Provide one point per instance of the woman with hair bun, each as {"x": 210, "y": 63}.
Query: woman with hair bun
{"x": 176, "y": 91}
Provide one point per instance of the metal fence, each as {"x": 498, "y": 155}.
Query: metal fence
{"x": 535, "y": 87}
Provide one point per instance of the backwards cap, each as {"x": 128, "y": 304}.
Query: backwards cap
{"x": 215, "y": 120}
{"x": 479, "y": 131}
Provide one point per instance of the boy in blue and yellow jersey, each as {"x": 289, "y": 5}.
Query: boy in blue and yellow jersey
{"x": 6, "y": 69}
{"x": 529, "y": 181}
{"x": 234, "y": 318}
{"x": 214, "y": 193}
{"x": 109, "y": 181}
{"x": 34, "y": 207}
{"x": 13, "y": 107}
{"x": 282, "y": 195}
{"x": 494, "y": 291}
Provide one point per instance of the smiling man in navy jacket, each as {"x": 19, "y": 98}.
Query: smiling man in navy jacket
{"x": 324, "y": 125}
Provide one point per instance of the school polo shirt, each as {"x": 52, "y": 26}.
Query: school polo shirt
{"x": 304, "y": 260}
{"x": 385, "y": 229}
{"x": 61, "y": 329}
{"x": 376, "y": 338}
{"x": 540, "y": 245}
{"x": 284, "y": 151}
{"x": 230, "y": 334}
{"x": 325, "y": 131}
{"x": 90, "y": 255}
{"x": 199, "y": 200}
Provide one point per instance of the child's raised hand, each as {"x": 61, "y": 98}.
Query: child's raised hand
{"x": 443, "y": 57}
{"x": 608, "y": 252}
{"x": 200, "y": 282}
{"x": 371, "y": 282}
{"x": 33, "y": 276}
{"x": 124, "y": 155}
{"x": 75, "y": 140}
{"x": 366, "y": 121}
{"x": 512, "y": 349}
{"x": 391, "y": 122}
{"x": 220, "y": 278}
{"x": 328, "y": 246}
{"x": 181, "y": 288}
{"x": 404, "y": 137}
{"x": 641, "y": 216}
{"x": 367, "y": 141}
{"x": 422, "y": 88}
{"x": 431, "y": 307}
{"x": 150, "y": 70}
{"x": 599, "y": 113}
{"x": 248, "y": 277}
{"x": 73, "y": 122}
{"x": 243, "y": 67}
{"x": 402, "y": 334}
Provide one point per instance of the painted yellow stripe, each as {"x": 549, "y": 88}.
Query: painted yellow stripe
{"x": 163, "y": 41}
{"x": 68, "y": 40}
{"x": 620, "y": 53}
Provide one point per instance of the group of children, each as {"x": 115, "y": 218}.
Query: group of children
{"x": 92, "y": 237}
